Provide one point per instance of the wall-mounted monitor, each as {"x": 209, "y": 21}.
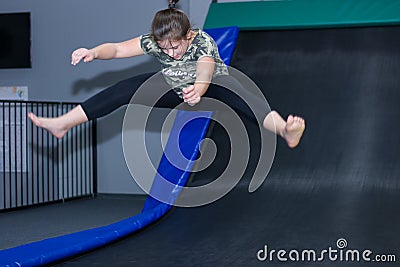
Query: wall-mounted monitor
{"x": 15, "y": 40}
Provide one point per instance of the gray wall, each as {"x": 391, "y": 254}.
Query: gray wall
{"x": 197, "y": 11}
{"x": 58, "y": 27}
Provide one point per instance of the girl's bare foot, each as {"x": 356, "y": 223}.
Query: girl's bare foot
{"x": 294, "y": 129}
{"x": 49, "y": 124}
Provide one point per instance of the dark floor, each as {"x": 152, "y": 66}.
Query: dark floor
{"x": 34, "y": 224}
{"x": 231, "y": 231}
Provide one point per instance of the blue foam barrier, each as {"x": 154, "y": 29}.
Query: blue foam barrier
{"x": 226, "y": 39}
{"x": 177, "y": 160}
{"x": 54, "y": 249}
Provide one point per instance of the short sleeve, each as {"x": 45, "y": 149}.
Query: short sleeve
{"x": 148, "y": 45}
{"x": 207, "y": 47}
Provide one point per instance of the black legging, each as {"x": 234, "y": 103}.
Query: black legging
{"x": 121, "y": 94}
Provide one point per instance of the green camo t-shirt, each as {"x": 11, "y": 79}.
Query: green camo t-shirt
{"x": 180, "y": 73}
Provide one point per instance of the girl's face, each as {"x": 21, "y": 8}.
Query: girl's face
{"x": 174, "y": 49}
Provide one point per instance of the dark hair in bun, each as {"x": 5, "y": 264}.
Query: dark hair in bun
{"x": 170, "y": 24}
{"x": 172, "y": 3}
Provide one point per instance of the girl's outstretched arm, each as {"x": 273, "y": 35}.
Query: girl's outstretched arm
{"x": 129, "y": 48}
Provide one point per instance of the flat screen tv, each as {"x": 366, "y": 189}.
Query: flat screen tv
{"x": 15, "y": 40}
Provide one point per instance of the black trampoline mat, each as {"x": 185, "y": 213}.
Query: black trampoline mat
{"x": 34, "y": 224}
{"x": 341, "y": 183}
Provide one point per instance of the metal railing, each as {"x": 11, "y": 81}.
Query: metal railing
{"x": 36, "y": 167}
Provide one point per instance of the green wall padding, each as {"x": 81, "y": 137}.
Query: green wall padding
{"x": 292, "y": 14}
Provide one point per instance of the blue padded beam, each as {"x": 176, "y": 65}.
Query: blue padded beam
{"x": 181, "y": 137}
{"x": 54, "y": 249}
{"x": 226, "y": 39}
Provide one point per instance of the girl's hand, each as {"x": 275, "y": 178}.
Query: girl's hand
{"x": 82, "y": 53}
{"x": 190, "y": 95}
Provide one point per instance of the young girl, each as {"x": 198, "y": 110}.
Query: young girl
{"x": 191, "y": 66}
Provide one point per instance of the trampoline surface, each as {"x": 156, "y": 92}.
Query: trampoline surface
{"x": 339, "y": 190}
{"x": 33, "y": 224}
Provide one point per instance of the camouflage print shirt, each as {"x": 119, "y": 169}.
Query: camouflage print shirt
{"x": 180, "y": 73}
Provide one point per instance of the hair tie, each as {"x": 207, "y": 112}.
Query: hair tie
{"x": 171, "y": 5}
